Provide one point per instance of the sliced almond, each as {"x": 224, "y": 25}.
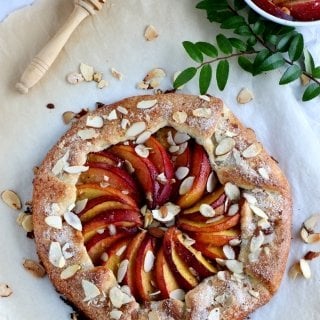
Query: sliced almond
{"x": 252, "y": 151}
{"x": 70, "y": 271}
{"x": 124, "y": 123}
{"x": 103, "y": 84}
{"x": 122, "y": 110}
{"x": 225, "y": 146}
{"x": 313, "y": 238}
{"x": 112, "y": 229}
{"x": 304, "y": 234}
{"x": 232, "y": 191}
{"x": 233, "y": 209}
{"x": 149, "y": 261}
{"x": 67, "y": 251}
{"x": 214, "y": 314}
{"x": 112, "y": 115}
{"x": 74, "y": 78}
{"x": 121, "y": 251}
{"x": 174, "y": 149}
{"x": 186, "y": 185}
{"x": 181, "y": 172}
{"x": 90, "y": 290}
{"x": 34, "y": 267}
{"x": 154, "y": 74}
{"x": 234, "y": 266}
{"x": 143, "y": 137}
{"x": 80, "y": 205}
{"x": 86, "y": 71}
{"x": 147, "y": 104}
{"x": 123, "y": 268}
{"x": 254, "y": 256}
{"x": 256, "y": 242}
{"x": 181, "y": 137}
{"x": 116, "y": 74}
{"x": 97, "y": 76}
{"x": 115, "y": 314}
{"x": 20, "y": 218}
{"x": 305, "y": 268}
{"x": 5, "y": 290}
{"x": 87, "y": 134}
{"x": 142, "y": 151}
{"x": 136, "y": 128}
{"x": 244, "y": 96}
{"x": 75, "y": 169}
{"x": 150, "y": 33}
{"x": 258, "y": 212}
{"x": 204, "y": 97}
{"x": 177, "y": 294}
{"x": 68, "y": 116}
{"x": 27, "y": 223}
{"x": 54, "y": 221}
{"x": 162, "y": 178}
{"x": 179, "y": 117}
{"x": 311, "y": 222}
{"x": 294, "y": 271}
{"x": 11, "y": 199}
{"x": 229, "y": 252}
{"x": 153, "y": 315}
{"x": 254, "y": 293}
{"x": 104, "y": 257}
{"x": 211, "y": 182}
{"x": 250, "y": 198}
{"x": 182, "y": 147}
{"x": 94, "y": 121}
{"x": 234, "y": 242}
{"x": 202, "y": 113}
{"x": 73, "y": 220}
{"x": 118, "y": 297}
{"x": 56, "y": 257}
{"x": 206, "y": 210}
{"x": 264, "y": 173}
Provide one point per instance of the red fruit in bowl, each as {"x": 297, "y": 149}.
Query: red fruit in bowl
{"x": 270, "y": 7}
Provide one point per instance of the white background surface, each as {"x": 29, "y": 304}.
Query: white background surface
{"x": 288, "y": 128}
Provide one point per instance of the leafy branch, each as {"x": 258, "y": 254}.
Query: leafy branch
{"x": 259, "y": 46}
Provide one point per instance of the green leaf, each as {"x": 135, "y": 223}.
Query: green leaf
{"x": 272, "y": 38}
{"x": 259, "y": 59}
{"x": 243, "y": 31}
{"x": 284, "y": 42}
{"x": 316, "y": 72}
{"x": 224, "y": 44}
{"x": 284, "y": 30}
{"x": 238, "y": 44}
{"x": 208, "y": 49}
{"x": 296, "y": 47}
{"x": 222, "y": 74}
{"x": 193, "y": 51}
{"x": 308, "y": 61}
{"x": 245, "y": 64}
{"x": 291, "y": 74}
{"x": 251, "y": 41}
{"x": 219, "y": 16}
{"x": 214, "y": 5}
{"x": 272, "y": 62}
{"x": 259, "y": 27}
{"x": 205, "y": 78}
{"x": 312, "y": 91}
{"x": 232, "y": 22}
{"x": 184, "y": 77}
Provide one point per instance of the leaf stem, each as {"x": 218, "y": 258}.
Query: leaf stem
{"x": 238, "y": 54}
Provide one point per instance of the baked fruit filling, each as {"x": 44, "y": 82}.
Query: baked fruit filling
{"x": 154, "y": 212}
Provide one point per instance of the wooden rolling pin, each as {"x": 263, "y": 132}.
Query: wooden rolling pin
{"x": 44, "y": 59}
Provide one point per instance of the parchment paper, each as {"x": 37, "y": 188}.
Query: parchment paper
{"x": 288, "y": 128}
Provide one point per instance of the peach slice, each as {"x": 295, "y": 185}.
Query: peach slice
{"x": 200, "y": 169}
{"x": 210, "y": 251}
{"x": 98, "y": 205}
{"x": 214, "y": 199}
{"x": 117, "y": 217}
{"x": 193, "y": 257}
{"x": 160, "y": 158}
{"x": 226, "y": 222}
{"x": 145, "y": 171}
{"x": 115, "y": 254}
{"x": 178, "y": 266}
{"x": 131, "y": 256}
{"x": 100, "y": 173}
{"x": 104, "y": 157}
{"x": 145, "y": 280}
{"x": 164, "y": 277}
{"x": 218, "y": 239}
{"x": 90, "y": 191}
{"x": 100, "y": 242}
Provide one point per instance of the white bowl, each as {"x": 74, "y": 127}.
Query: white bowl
{"x": 275, "y": 19}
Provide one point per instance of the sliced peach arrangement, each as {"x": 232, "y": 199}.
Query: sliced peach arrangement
{"x": 152, "y": 215}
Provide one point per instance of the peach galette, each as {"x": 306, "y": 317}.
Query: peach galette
{"x": 162, "y": 207}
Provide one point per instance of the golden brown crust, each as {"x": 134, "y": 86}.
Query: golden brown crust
{"x": 208, "y": 122}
